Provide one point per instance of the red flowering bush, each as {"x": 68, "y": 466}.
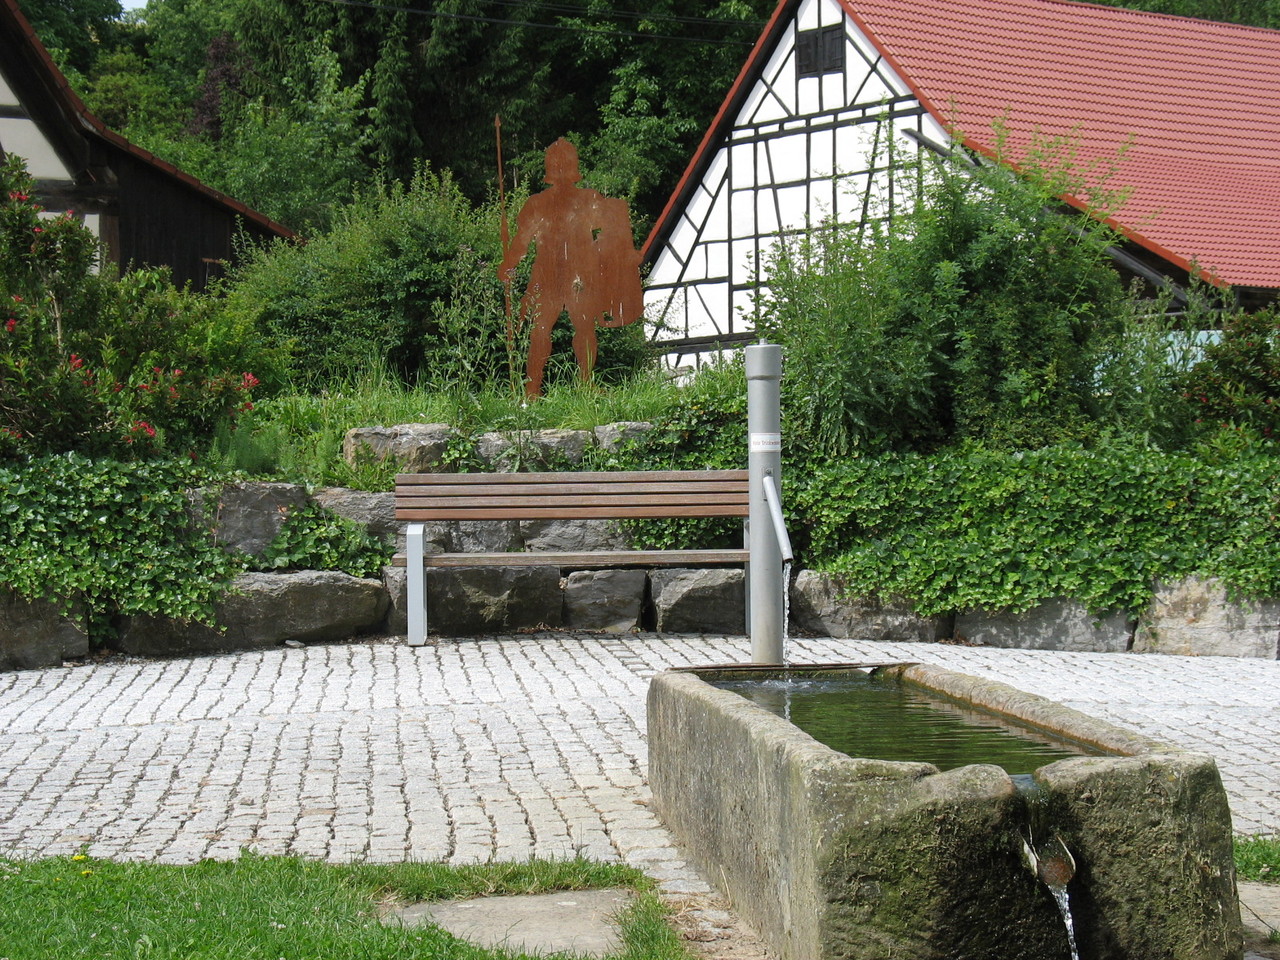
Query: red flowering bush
{"x": 89, "y": 363}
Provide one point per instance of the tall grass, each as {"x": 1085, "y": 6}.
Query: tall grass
{"x": 298, "y": 436}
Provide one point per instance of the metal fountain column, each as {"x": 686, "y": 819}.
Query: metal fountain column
{"x": 766, "y": 534}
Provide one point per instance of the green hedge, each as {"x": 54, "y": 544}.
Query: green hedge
{"x": 969, "y": 527}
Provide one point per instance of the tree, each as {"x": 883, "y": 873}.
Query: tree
{"x": 73, "y": 29}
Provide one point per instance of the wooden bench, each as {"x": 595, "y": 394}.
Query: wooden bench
{"x": 422, "y": 497}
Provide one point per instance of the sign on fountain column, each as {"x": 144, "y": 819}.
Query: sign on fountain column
{"x": 766, "y": 590}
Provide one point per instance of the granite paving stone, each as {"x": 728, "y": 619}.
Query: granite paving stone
{"x": 468, "y": 750}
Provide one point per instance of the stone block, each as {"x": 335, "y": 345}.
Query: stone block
{"x": 1194, "y": 618}
{"x": 248, "y": 516}
{"x": 265, "y": 609}
{"x": 577, "y": 535}
{"x": 611, "y": 437}
{"x": 35, "y": 633}
{"x": 418, "y": 447}
{"x": 520, "y": 451}
{"x": 373, "y": 510}
{"x": 484, "y": 536}
{"x": 1053, "y": 625}
{"x": 831, "y": 856}
{"x": 471, "y": 600}
{"x": 608, "y": 600}
{"x": 819, "y": 605}
{"x": 699, "y": 601}
{"x": 395, "y": 580}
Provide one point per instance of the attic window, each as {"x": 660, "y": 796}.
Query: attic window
{"x": 820, "y": 51}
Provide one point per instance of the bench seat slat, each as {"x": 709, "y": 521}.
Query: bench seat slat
{"x": 634, "y": 476}
{"x": 643, "y": 490}
{"x": 532, "y": 512}
{"x": 569, "y": 502}
{"x": 593, "y": 558}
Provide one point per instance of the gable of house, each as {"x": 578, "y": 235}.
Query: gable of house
{"x": 1196, "y": 105}
{"x": 146, "y": 211}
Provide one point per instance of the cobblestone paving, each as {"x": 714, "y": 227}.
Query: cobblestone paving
{"x": 476, "y": 749}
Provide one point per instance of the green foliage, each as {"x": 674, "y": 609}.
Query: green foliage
{"x": 1142, "y": 369}
{"x": 1237, "y": 384}
{"x": 705, "y": 428}
{"x": 102, "y": 366}
{"x": 117, "y": 536}
{"x": 313, "y": 538}
{"x": 299, "y": 436}
{"x": 1258, "y": 859}
{"x": 408, "y": 274}
{"x": 72, "y": 28}
{"x": 402, "y": 269}
{"x": 981, "y": 314}
{"x": 973, "y": 527}
{"x": 296, "y": 156}
{"x": 261, "y": 908}
{"x": 125, "y": 95}
{"x": 607, "y": 72}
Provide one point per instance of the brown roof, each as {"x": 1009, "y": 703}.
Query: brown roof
{"x": 74, "y": 119}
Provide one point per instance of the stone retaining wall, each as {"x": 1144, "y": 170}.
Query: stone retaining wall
{"x": 264, "y": 609}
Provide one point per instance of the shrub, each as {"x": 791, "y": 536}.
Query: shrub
{"x": 980, "y": 314}
{"x": 1237, "y": 383}
{"x": 401, "y": 270}
{"x": 103, "y": 366}
{"x": 408, "y": 276}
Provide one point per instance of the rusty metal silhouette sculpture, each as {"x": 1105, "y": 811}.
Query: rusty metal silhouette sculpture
{"x": 585, "y": 264}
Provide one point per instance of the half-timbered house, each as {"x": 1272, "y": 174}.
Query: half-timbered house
{"x": 1193, "y": 106}
{"x": 146, "y": 211}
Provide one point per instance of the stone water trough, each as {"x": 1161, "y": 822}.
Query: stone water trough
{"x": 832, "y": 856}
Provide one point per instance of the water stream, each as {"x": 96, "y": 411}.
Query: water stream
{"x": 1064, "y": 906}
{"x": 786, "y": 612}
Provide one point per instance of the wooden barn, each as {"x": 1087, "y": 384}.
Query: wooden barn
{"x": 798, "y": 138}
{"x": 147, "y": 211}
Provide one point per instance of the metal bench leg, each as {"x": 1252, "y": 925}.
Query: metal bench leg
{"x": 416, "y": 583}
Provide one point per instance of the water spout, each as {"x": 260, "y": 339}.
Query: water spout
{"x": 1054, "y": 866}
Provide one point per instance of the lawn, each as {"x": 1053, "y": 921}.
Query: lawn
{"x": 281, "y": 908}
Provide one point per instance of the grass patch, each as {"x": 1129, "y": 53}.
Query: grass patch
{"x": 268, "y": 908}
{"x": 1258, "y": 859}
{"x": 298, "y": 436}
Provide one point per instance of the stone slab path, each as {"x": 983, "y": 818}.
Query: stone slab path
{"x": 481, "y": 749}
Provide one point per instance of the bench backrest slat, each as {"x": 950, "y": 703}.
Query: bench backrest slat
{"x": 634, "y": 494}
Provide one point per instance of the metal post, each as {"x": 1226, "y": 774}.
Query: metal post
{"x": 764, "y": 429}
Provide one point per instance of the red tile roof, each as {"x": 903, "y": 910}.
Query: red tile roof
{"x": 1200, "y": 100}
